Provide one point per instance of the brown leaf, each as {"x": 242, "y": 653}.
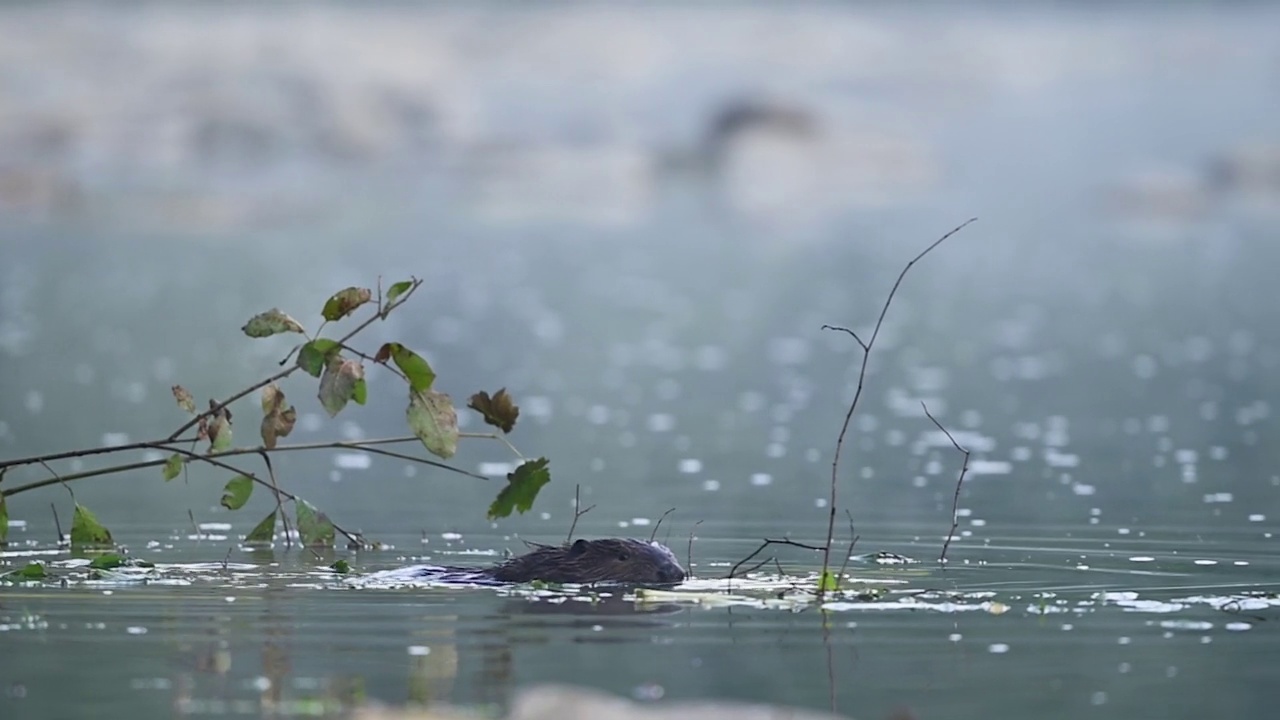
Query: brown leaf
{"x": 345, "y": 302}
{"x": 499, "y": 411}
{"x": 277, "y": 420}
{"x": 185, "y": 401}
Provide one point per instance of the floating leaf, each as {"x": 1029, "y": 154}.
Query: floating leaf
{"x": 236, "y": 492}
{"x": 86, "y": 530}
{"x": 338, "y": 383}
{"x": 432, "y": 418}
{"x": 345, "y": 302}
{"x": 4, "y": 521}
{"x": 313, "y": 355}
{"x": 172, "y": 467}
{"x": 828, "y": 582}
{"x": 499, "y": 410}
{"x": 185, "y": 401}
{"x": 107, "y": 562}
{"x": 413, "y": 365}
{"x": 522, "y": 488}
{"x": 314, "y": 527}
{"x": 397, "y": 290}
{"x": 271, "y": 322}
{"x": 342, "y": 567}
{"x": 278, "y": 420}
{"x": 264, "y": 532}
{"x": 31, "y": 571}
{"x": 219, "y": 434}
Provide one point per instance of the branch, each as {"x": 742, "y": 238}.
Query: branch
{"x": 766, "y": 543}
{"x": 381, "y": 314}
{"x": 955, "y": 500}
{"x": 857, "y": 395}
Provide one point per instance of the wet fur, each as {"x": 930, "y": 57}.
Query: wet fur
{"x": 618, "y": 560}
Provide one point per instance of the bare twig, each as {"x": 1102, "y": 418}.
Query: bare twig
{"x": 766, "y": 543}
{"x": 56, "y": 524}
{"x": 853, "y": 540}
{"x": 857, "y": 395}
{"x": 847, "y": 330}
{"x": 689, "y": 556}
{"x": 658, "y": 524}
{"x": 577, "y": 512}
{"x": 955, "y": 500}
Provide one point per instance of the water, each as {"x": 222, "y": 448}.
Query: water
{"x": 1102, "y": 340}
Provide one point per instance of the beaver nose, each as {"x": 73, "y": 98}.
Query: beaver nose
{"x": 671, "y": 574}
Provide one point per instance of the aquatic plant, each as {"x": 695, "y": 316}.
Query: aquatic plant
{"x": 339, "y": 369}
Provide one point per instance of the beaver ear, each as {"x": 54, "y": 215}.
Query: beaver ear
{"x": 579, "y": 546}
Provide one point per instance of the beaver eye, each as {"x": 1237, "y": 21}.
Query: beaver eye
{"x": 622, "y": 556}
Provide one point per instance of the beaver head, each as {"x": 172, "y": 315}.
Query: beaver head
{"x": 619, "y": 560}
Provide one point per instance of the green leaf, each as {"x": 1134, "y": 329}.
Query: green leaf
{"x": 4, "y": 521}
{"x": 314, "y": 527}
{"x": 413, "y": 365}
{"x": 172, "y": 467}
{"x": 185, "y": 401}
{"x": 313, "y": 355}
{"x": 342, "y": 567}
{"x": 264, "y": 532}
{"x": 271, "y": 322}
{"x": 397, "y": 290}
{"x": 236, "y": 492}
{"x": 339, "y": 383}
{"x": 360, "y": 393}
{"x": 345, "y": 302}
{"x": 499, "y": 410}
{"x": 432, "y": 418}
{"x": 107, "y": 562}
{"x": 219, "y": 434}
{"x": 31, "y": 571}
{"x": 828, "y": 582}
{"x": 278, "y": 420}
{"x": 87, "y": 531}
{"x": 522, "y": 488}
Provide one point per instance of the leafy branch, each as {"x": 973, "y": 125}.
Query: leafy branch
{"x": 340, "y": 370}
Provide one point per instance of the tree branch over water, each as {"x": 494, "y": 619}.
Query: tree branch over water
{"x": 340, "y": 369}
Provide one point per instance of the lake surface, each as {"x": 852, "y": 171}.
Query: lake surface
{"x": 1103, "y": 340}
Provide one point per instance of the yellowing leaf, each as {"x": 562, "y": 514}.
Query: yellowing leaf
{"x": 499, "y": 410}
{"x": 278, "y": 419}
{"x": 432, "y": 418}
{"x": 522, "y": 488}
{"x": 236, "y": 492}
{"x": 413, "y": 365}
{"x": 172, "y": 467}
{"x": 338, "y": 383}
{"x": 219, "y": 434}
{"x": 345, "y": 302}
{"x": 271, "y": 322}
{"x": 828, "y": 582}
{"x": 185, "y": 401}
{"x": 313, "y": 355}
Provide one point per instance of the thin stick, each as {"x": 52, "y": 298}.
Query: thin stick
{"x": 658, "y": 524}
{"x": 857, "y": 395}
{"x": 689, "y": 556}
{"x": 577, "y": 512}
{"x": 57, "y": 525}
{"x": 852, "y": 541}
{"x": 955, "y": 500}
{"x": 766, "y": 543}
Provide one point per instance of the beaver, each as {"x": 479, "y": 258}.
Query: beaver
{"x": 608, "y": 560}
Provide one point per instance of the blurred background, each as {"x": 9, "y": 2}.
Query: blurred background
{"x": 637, "y": 218}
